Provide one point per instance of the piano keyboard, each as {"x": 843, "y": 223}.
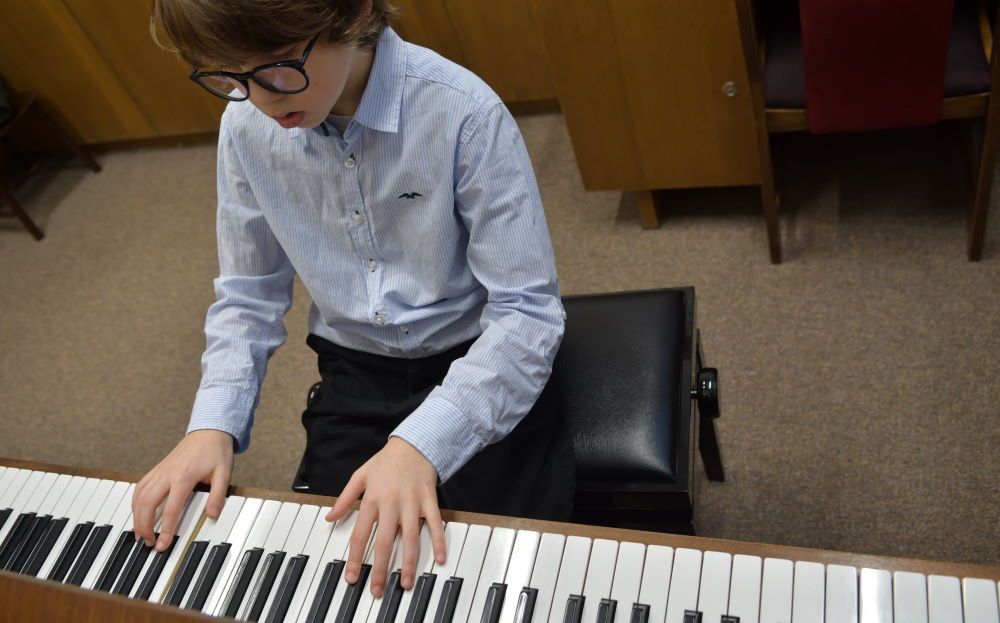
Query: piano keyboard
{"x": 268, "y": 560}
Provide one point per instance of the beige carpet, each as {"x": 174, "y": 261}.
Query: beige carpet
{"x": 860, "y": 379}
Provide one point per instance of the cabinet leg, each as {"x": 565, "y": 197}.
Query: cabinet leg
{"x": 647, "y": 209}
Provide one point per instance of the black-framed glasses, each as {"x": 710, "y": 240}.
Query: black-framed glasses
{"x": 282, "y": 77}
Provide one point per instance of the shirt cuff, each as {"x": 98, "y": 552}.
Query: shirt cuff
{"x": 220, "y": 408}
{"x": 439, "y": 431}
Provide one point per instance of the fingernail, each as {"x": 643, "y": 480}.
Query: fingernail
{"x": 161, "y": 545}
{"x": 376, "y": 590}
{"x": 352, "y": 577}
{"x": 149, "y": 542}
{"x": 137, "y": 537}
{"x": 440, "y": 559}
{"x": 407, "y": 580}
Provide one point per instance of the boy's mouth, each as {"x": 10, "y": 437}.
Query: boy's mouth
{"x": 290, "y": 120}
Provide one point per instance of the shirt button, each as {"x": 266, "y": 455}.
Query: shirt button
{"x": 379, "y": 319}
{"x": 372, "y": 265}
{"x": 350, "y": 162}
{"x": 356, "y": 217}
{"x": 405, "y": 328}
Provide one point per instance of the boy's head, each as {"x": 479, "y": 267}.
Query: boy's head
{"x": 239, "y": 36}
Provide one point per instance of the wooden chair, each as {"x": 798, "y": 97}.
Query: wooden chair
{"x": 773, "y": 50}
{"x": 24, "y": 105}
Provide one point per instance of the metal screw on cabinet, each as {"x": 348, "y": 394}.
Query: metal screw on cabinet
{"x": 730, "y": 89}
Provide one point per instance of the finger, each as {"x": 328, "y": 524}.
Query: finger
{"x": 178, "y": 496}
{"x": 411, "y": 547}
{"x": 359, "y": 542}
{"x": 217, "y": 493}
{"x": 432, "y": 515}
{"x": 145, "y": 500}
{"x": 352, "y": 491}
{"x": 385, "y": 537}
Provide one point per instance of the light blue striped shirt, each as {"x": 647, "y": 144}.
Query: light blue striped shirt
{"x": 418, "y": 229}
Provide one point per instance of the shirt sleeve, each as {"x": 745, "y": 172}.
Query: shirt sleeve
{"x": 253, "y": 292}
{"x": 489, "y": 390}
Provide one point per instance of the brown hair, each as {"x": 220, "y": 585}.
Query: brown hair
{"x": 229, "y": 31}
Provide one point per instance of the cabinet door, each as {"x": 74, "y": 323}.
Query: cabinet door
{"x": 641, "y": 85}
{"x": 499, "y": 41}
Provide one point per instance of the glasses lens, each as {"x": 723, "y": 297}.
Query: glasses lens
{"x": 281, "y": 79}
{"x": 224, "y": 86}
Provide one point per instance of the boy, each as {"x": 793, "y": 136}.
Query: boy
{"x": 397, "y": 186}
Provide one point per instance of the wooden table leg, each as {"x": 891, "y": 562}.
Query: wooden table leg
{"x": 648, "y": 215}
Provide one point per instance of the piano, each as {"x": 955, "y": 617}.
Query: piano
{"x": 67, "y": 554}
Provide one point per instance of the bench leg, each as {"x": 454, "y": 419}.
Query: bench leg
{"x": 19, "y": 212}
{"x": 707, "y": 395}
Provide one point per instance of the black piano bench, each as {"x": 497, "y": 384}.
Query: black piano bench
{"x": 627, "y": 378}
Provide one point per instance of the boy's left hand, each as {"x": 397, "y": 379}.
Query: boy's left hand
{"x": 400, "y": 488}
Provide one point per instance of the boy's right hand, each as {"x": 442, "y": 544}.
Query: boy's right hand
{"x": 202, "y": 456}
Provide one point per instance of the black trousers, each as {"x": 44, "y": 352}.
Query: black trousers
{"x": 363, "y": 397}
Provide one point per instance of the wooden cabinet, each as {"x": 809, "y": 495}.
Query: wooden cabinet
{"x": 655, "y": 94}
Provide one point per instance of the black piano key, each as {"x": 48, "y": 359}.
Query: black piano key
{"x": 209, "y": 574}
{"x": 390, "y": 599}
{"x": 148, "y": 583}
{"x": 574, "y": 609}
{"x": 28, "y": 544}
{"x": 185, "y": 573}
{"x": 449, "y": 598}
{"x": 640, "y": 613}
{"x": 525, "y": 605}
{"x": 113, "y": 567}
{"x": 494, "y": 603}
{"x": 421, "y": 598}
{"x": 352, "y": 596}
{"x": 286, "y": 589}
{"x": 136, "y": 560}
{"x": 692, "y": 616}
{"x": 262, "y": 590}
{"x": 324, "y": 593}
{"x": 44, "y": 549}
{"x": 89, "y": 554}
{"x": 606, "y": 611}
{"x": 70, "y": 551}
{"x": 728, "y": 618}
{"x": 16, "y": 535}
{"x": 244, "y": 574}
{"x": 4, "y": 514}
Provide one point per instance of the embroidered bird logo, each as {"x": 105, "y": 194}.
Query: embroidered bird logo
{"x": 410, "y": 195}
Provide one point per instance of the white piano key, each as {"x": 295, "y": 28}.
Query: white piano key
{"x": 841, "y": 594}
{"x": 19, "y": 502}
{"x": 494, "y": 568}
{"x": 684, "y": 582}
{"x": 909, "y": 596}
{"x": 776, "y": 591}
{"x": 214, "y": 532}
{"x": 367, "y": 599}
{"x": 454, "y": 540}
{"x": 294, "y": 544}
{"x": 808, "y": 588}
{"x": 34, "y": 501}
{"x": 186, "y": 512}
{"x": 120, "y": 521}
{"x": 876, "y": 596}
{"x": 66, "y": 500}
{"x": 980, "y": 598}
{"x": 744, "y": 589}
{"x": 425, "y": 562}
{"x": 75, "y": 515}
{"x": 572, "y": 574}
{"x": 600, "y": 572}
{"x": 236, "y": 539}
{"x": 628, "y": 578}
{"x": 336, "y": 549}
{"x": 522, "y": 559}
{"x": 713, "y": 595}
{"x": 56, "y": 492}
{"x": 185, "y": 529}
{"x": 3, "y": 479}
{"x": 944, "y": 599}
{"x": 316, "y": 543}
{"x": 255, "y": 535}
{"x": 268, "y": 533}
{"x": 546, "y": 572}
{"x": 338, "y": 594}
{"x": 393, "y": 565}
{"x": 655, "y": 585}
{"x": 7, "y": 490}
{"x": 477, "y": 541}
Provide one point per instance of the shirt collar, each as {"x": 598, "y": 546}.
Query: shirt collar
{"x": 382, "y": 100}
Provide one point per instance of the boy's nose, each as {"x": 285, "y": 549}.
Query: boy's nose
{"x": 261, "y": 97}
